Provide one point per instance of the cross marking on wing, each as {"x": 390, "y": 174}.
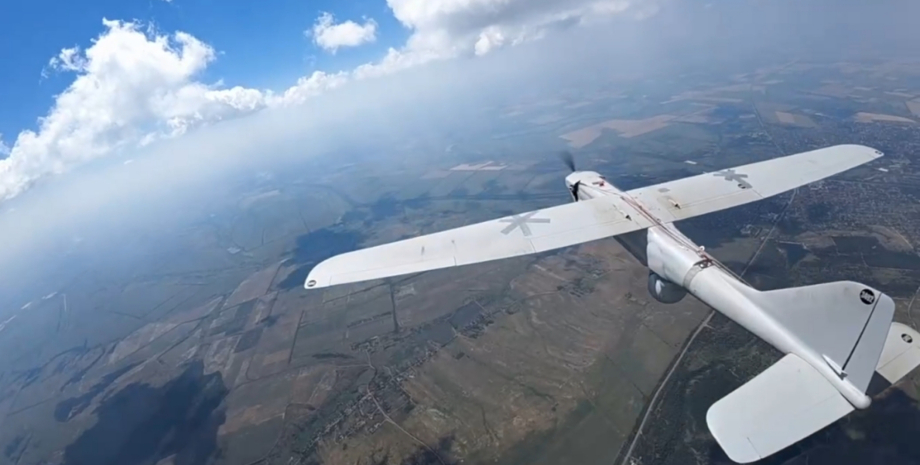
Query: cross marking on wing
{"x": 731, "y": 175}
{"x": 521, "y": 221}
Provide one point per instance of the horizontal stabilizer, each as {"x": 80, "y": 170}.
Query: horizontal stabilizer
{"x": 901, "y": 353}
{"x": 779, "y": 407}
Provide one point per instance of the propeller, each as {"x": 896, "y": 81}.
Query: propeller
{"x": 568, "y": 159}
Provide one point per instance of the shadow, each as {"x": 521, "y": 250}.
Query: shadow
{"x": 143, "y": 424}
{"x": 438, "y": 456}
{"x": 67, "y": 408}
{"x": 344, "y": 236}
{"x": 15, "y": 448}
{"x": 317, "y": 246}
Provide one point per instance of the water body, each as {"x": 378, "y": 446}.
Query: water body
{"x": 795, "y": 252}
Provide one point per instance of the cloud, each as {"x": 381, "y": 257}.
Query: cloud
{"x": 480, "y": 26}
{"x": 132, "y": 87}
{"x": 331, "y": 36}
{"x": 309, "y": 86}
{"x": 445, "y": 29}
{"x": 382, "y": 120}
{"x": 4, "y": 149}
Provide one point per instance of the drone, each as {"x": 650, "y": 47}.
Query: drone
{"x": 837, "y": 338}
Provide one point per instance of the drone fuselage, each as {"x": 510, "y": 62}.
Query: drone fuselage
{"x": 677, "y": 263}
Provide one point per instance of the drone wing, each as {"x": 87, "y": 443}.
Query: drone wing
{"x": 527, "y": 233}
{"x": 711, "y": 192}
{"x": 585, "y": 221}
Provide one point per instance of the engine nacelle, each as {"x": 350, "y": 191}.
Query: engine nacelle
{"x": 663, "y": 290}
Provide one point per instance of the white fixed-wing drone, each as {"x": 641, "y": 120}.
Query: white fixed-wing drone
{"x": 835, "y": 336}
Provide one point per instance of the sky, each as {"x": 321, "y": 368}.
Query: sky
{"x": 95, "y": 78}
{"x": 86, "y": 80}
{"x": 186, "y": 89}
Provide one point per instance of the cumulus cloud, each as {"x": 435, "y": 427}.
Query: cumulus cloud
{"x": 309, "y": 86}
{"x": 480, "y": 26}
{"x": 4, "y": 149}
{"x": 445, "y": 29}
{"x": 331, "y": 36}
{"x": 132, "y": 87}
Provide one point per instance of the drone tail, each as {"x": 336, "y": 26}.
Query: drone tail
{"x": 849, "y": 324}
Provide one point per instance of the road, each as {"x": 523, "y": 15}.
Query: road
{"x": 389, "y": 420}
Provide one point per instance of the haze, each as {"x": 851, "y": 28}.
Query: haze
{"x": 91, "y": 213}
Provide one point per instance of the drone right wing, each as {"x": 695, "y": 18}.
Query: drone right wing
{"x": 710, "y": 192}
{"x": 523, "y": 234}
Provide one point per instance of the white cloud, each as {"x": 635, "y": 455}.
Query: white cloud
{"x": 480, "y": 26}
{"x": 309, "y": 86}
{"x": 70, "y": 59}
{"x": 491, "y": 37}
{"x": 132, "y": 87}
{"x": 4, "y": 149}
{"x": 331, "y": 36}
{"x": 444, "y": 29}
{"x": 396, "y": 60}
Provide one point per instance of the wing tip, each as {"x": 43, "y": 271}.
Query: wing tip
{"x": 871, "y": 152}
{"x": 311, "y": 283}
{"x": 317, "y": 278}
{"x": 737, "y": 448}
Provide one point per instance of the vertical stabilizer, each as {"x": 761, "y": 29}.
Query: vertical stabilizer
{"x": 846, "y": 322}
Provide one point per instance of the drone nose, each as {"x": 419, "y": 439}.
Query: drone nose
{"x": 572, "y": 178}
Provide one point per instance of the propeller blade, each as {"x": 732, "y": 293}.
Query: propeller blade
{"x": 568, "y": 159}
{"x": 574, "y": 191}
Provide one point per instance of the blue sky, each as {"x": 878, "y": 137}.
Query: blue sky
{"x": 261, "y": 44}
{"x": 76, "y": 88}
{"x": 148, "y": 97}
{"x": 127, "y": 87}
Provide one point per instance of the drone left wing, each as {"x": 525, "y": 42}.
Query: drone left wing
{"x": 523, "y": 234}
